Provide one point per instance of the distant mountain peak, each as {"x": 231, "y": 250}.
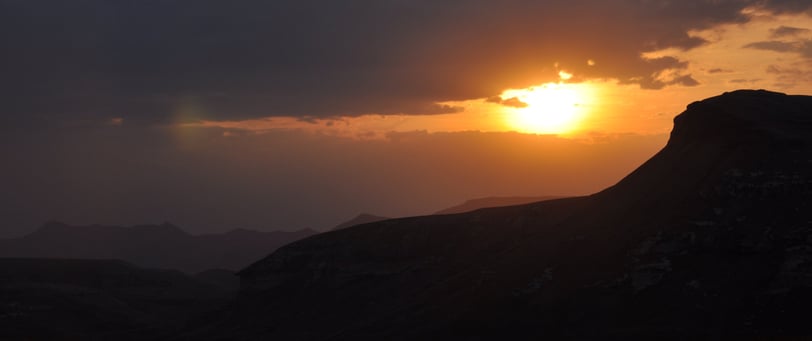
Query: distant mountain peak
{"x": 53, "y": 226}
{"x": 165, "y": 228}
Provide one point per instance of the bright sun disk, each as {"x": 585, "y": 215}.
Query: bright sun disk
{"x": 552, "y": 108}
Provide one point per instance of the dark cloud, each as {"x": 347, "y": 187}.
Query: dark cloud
{"x": 790, "y": 76}
{"x": 802, "y": 47}
{"x": 773, "y": 45}
{"x": 689, "y": 42}
{"x": 513, "y": 102}
{"x": 684, "y": 80}
{"x": 788, "y": 6}
{"x": 494, "y": 99}
{"x": 660, "y": 79}
{"x": 718, "y": 70}
{"x": 656, "y": 83}
{"x": 775, "y": 69}
{"x": 164, "y": 61}
{"x": 741, "y": 80}
{"x": 788, "y": 31}
{"x": 805, "y": 49}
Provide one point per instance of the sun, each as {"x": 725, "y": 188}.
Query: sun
{"x": 552, "y": 108}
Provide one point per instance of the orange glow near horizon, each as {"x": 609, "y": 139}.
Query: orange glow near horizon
{"x": 575, "y": 105}
{"x": 572, "y": 110}
{"x": 552, "y": 108}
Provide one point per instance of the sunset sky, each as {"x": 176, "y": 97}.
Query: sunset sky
{"x": 281, "y": 115}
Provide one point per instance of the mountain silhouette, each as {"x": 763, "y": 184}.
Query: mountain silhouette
{"x": 710, "y": 238}
{"x": 154, "y": 246}
{"x": 362, "y": 218}
{"x": 488, "y": 202}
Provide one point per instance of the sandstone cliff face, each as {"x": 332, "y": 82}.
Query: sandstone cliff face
{"x": 712, "y": 237}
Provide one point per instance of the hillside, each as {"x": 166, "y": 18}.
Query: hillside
{"x": 70, "y": 299}
{"x": 710, "y": 238}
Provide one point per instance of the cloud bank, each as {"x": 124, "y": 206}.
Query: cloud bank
{"x": 150, "y": 62}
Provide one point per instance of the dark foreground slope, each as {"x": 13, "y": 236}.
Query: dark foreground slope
{"x": 65, "y": 299}
{"x": 710, "y": 238}
{"x": 155, "y": 246}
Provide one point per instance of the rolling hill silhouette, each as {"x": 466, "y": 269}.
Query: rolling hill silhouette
{"x": 710, "y": 238}
{"x": 155, "y": 246}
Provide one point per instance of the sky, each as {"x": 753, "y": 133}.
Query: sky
{"x": 290, "y": 114}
